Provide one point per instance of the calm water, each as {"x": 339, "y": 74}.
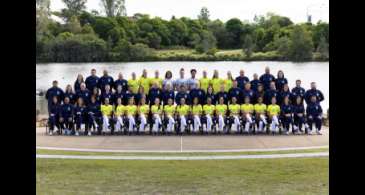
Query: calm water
{"x": 66, "y": 73}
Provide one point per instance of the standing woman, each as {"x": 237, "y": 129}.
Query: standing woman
{"x": 228, "y": 82}
{"x": 204, "y": 81}
{"x": 168, "y": 80}
{"x": 247, "y": 112}
{"x": 119, "y": 114}
{"x": 287, "y": 115}
{"x": 70, "y": 94}
{"x": 209, "y": 110}
{"x": 145, "y": 81}
{"x": 54, "y": 109}
{"x": 80, "y": 116}
{"x": 196, "y": 111}
{"x": 273, "y": 111}
{"x": 234, "y": 111}
{"x": 280, "y": 81}
{"x": 131, "y": 111}
{"x": 79, "y": 80}
{"x": 169, "y": 113}
{"x": 216, "y": 82}
{"x": 143, "y": 112}
{"x": 156, "y": 110}
{"x": 221, "y": 111}
{"x": 182, "y": 110}
{"x": 133, "y": 83}
{"x": 299, "y": 112}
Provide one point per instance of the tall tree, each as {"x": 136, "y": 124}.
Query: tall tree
{"x": 323, "y": 47}
{"x": 114, "y": 8}
{"x": 73, "y": 8}
{"x": 42, "y": 16}
{"x": 301, "y": 46}
{"x": 204, "y": 14}
{"x": 248, "y": 45}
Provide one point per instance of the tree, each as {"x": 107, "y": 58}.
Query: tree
{"x": 234, "y": 29}
{"x": 42, "y": 17}
{"x": 73, "y": 8}
{"x": 282, "y": 46}
{"x": 301, "y": 46}
{"x": 114, "y": 8}
{"x": 323, "y": 48}
{"x": 248, "y": 46}
{"x": 73, "y": 25}
{"x": 204, "y": 14}
{"x": 206, "y": 42}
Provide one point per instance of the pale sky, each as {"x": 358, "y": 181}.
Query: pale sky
{"x": 224, "y": 10}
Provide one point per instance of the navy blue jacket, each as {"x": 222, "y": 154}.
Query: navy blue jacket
{"x": 94, "y": 108}
{"x": 298, "y": 109}
{"x": 71, "y": 96}
{"x": 127, "y": 95}
{"x": 297, "y": 92}
{"x": 235, "y": 92}
{"x": 221, "y": 94}
{"x": 255, "y": 84}
{"x": 248, "y": 93}
{"x": 105, "y": 80}
{"x": 282, "y": 95}
{"x": 123, "y": 83}
{"x": 241, "y": 81}
{"x": 266, "y": 79}
{"x": 54, "y": 109}
{"x": 314, "y": 110}
{"x": 138, "y": 97}
{"x": 313, "y": 92}
{"x": 199, "y": 93}
{"x": 286, "y": 109}
{"x": 80, "y": 111}
{"x": 212, "y": 97}
{"x": 166, "y": 95}
{"x": 77, "y": 85}
{"x": 280, "y": 82}
{"x": 109, "y": 95}
{"x": 54, "y": 91}
{"x": 91, "y": 82}
{"x": 85, "y": 95}
{"x": 270, "y": 94}
{"x": 257, "y": 95}
{"x": 66, "y": 110}
{"x": 184, "y": 95}
{"x": 117, "y": 95}
{"x": 153, "y": 94}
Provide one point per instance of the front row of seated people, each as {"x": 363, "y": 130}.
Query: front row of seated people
{"x": 183, "y": 118}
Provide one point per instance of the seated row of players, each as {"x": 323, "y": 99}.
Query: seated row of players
{"x": 182, "y": 118}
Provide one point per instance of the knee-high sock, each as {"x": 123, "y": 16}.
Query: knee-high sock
{"x": 274, "y": 123}
{"x": 157, "y": 122}
{"x": 132, "y": 122}
{"x": 262, "y": 117}
{"x": 197, "y": 123}
{"x": 220, "y": 122}
{"x": 182, "y": 123}
{"x": 209, "y": 122}
{"x": 143, "y": 122}
{"x": 248, "y": 122}
{"x": 236, "y": 123}
{"x": 105, "y": 123}
{"x": 171, "y": 123}
{"x": 119, "y": 124}
{"x": 261, "y": 125}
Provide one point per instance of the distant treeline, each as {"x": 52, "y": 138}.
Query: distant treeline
{"x": 90, "y": 37}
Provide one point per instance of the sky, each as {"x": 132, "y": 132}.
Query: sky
{"x": 224, "y": 10}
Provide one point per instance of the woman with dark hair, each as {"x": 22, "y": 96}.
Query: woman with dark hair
{"x": 80, "y": 116}
{"x": 280, "y": 81}
{"x": 79, "y": 80}
{"x": 96, "y": 95}
{"x": 210, "y": 94}
{"x": 168, "y": 79}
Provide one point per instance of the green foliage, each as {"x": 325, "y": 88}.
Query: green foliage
{"x": 301, "y": 46}
{"x": 204, "y": 14}
{"x": 248, "y": 46}
{"x": 206, "y": 42}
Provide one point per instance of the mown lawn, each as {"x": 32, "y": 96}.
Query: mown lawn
{"x": 249, "y": 176}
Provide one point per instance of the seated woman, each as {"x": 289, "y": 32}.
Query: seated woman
{"x": 287, "y": 115}
{"x": 80, "y": 116}
{"x": 156, "y": 110}
{"x": 299, "y": 112}
{"x": 196, "y": 111}
{"x": 234, "y": 112}
{"x": 66, "y": 116}
{"x": 314, "y": 115}
{"x": 208, "y": 110}
{"x": 273, "y": 111}
{"x": 169, "y": 113}
{"x": 143, "y": 111}
{"x": 131, "y": 111}
{"x": 221, "y": 110}
{"x": 119, "y": 114}
{"x": 107, "y": 115}
{"x": 260, "y": 114}
{"x": 94, "y": 114}
{"x": 247, "y": 113}
{"x": 54, "y": 109}
{"x": 182, "y": 111}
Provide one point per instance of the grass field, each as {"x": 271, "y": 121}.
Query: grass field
{"x": 249, "y": 176}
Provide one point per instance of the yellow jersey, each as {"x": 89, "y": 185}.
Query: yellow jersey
{"x": 273, "y": 110}
{"x": 227, "y": 84}
{"x": 197, "y": 109}
{"x": 216, "y": 84}
{"x": 204, "y": 83}
{"x": 260, "y": 108}
{"x": 169, "y": 110}
{"x": 119, "y": 110}
{"x": 145, "y": 83}
{"x": 145, "y": 109}
{"x": 209, "y": 109}
{"x": 156, "y": 80}
{"x": 106, "y": 109}
{"x": 221, "y": 108}
{"x": 131, "y": 109}
{"x": 156, "y": 109}
{"x": 248, "y": 108}
{"x": 134, "y": 85}
{"x": 234, "y": 109}
{"x": 183, "y": 109}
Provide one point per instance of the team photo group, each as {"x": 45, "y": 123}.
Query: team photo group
{"x": 184, "y": 105}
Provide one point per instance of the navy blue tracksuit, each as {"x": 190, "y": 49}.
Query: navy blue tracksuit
{"x": 153, "y": 94}
{"x": 221, "y": 94}
{"x": 166, "y": 95}
{"x": 314, "y": 113}
{"x": 54, "y": 91}
{"x": 77, "y": 86}
{"x": 280, "y": 82}
{"x": 66, "y": 112}
{"x": 266, "y": 80}
{"x": 212, "y": 97}
{"x": 71, "y": 96}
{"x": 254, "y": 84}
{"x": 80, "y": 113}
{"x": 269, "y": 94}
{"x": 105, "y": 80}
{"x": 297, "y": 92}
{"x": 54, "y": 111}
{"x": 85, "y": 95}
{"x": 180, "y": 95}
{"x": 313, "y": 92}
{"x": 93, "y": 114}
{"x": 298, "y": 121}
{"x": 108, "y": 95}
{"x": 241, "y": 81}
{"x": 91, "y": 82}
{"x": 122, "y": 82}
{"x": 287, "y": 120}
{"x": 282, "y": 95}
{"x": 237, "y": 93}
{"x": 257, "y": 95}
{"x": 197, "y": 93}
{"x": 248, "y": 93}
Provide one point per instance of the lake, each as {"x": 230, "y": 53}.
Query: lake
{"x": 66, "y": 73}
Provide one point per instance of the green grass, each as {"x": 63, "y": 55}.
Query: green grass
{"x": 250, "y": 176}
{"x": 62, "y": 152}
